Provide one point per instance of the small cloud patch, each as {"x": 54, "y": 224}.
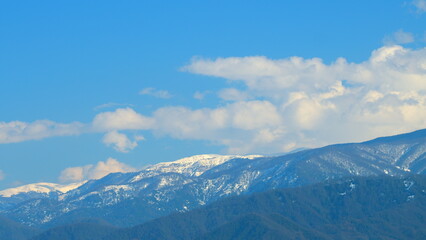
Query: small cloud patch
{"x": 156, "y": 93}
{"x": 99, "y": 170}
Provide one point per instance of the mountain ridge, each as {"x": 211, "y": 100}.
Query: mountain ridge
{"x": 42, "y": 187}
{"x": 186, "y": 184}
{"x": 382, "y": 207}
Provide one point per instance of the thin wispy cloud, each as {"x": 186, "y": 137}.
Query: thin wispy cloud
{"x": 156, "y": 93}
{"x": 18, "y": 131}
{"x": 2, "y": 175}
{"x": 233, "y": 94}
{"x": 112, "y": 105}
{"x": 200, "y": 95}
{"x": 399, "y": 37}
{"x": 420, "y": 5}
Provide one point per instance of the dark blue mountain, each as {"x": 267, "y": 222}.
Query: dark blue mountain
{"x": 126, "y": 199}
{"x": 351, "y": 208}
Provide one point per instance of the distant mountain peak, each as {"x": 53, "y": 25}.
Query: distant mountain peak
{"x": 195, "y": 165}
{"x": 42, "y": 187}
{"x": 204, "y": 160}
{"x": 190, "y": 182}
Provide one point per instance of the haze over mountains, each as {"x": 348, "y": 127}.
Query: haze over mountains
{"x": 129, "y": 199}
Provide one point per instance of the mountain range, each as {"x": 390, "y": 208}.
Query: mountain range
{"x": 380, "y": 207}
{"x": 129, "y": 199}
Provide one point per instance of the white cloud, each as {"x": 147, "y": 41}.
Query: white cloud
{"x": 235, "y": 125}
{"x": 317, "y": 103}
{"x": 420, "y": 5}
{"x": 101, "y": 169}
{"x": 230, "y": 125}
{"x": 388, "y": 67}
{"x": 120, "y": 141}
{"x": 200, "y": 95}
{"x": 399, "y": 37}
{"x": 74, "y": 174}
{"x": 122, "y": 118}
{"x": 286, "y": 103}
{"x": 2, "y": 175}
{"x": 17, "y": 131}
{"x": 232, "y": 94}
{"x": 155, "y": 93}
{"x": 112, "y": 105}
{"x": 185, "y": 123}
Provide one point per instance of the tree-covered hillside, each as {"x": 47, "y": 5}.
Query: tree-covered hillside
{"x": 353, "y": 208}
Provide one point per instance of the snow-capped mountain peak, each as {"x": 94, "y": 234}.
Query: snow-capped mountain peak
{"x": 40, "y": 188}
{"x": 192, "y": 166}
{"x": 210, "y": 159}
{"x": 191, "y": 182}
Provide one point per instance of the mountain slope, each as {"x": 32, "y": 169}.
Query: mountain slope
{"x": 357, "y": 208}
{"x": 41, "y": 188}
{"x": 88, "y": 229}
{"x": 14, "y": 231}
{"x": 13, "y": 196}
{"x": 188, "y": 183}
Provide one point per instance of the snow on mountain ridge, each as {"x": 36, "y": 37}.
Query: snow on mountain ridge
{"x": 40, "y": 188}
{"x": 192, "y": 166}
{"x": 210, "y": 158}
{"x": 187, "y": 183}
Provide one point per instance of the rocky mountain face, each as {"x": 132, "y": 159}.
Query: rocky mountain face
{"x": 126, "y": 199}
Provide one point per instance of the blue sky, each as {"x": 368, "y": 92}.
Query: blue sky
{"x": 93, "y": 87}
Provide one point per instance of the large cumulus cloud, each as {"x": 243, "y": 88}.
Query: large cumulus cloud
{"x": 279, "y": 104}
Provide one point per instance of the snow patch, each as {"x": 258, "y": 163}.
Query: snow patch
{"x": 117, "y": 188}
{"x": 190, "y": 166}
{"x": 408, "y": 184}
{"x": 40, "y": 188}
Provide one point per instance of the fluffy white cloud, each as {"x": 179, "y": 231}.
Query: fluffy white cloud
{"x": 185, "y": 123}
{"x": 234, "y": 125}
{"x": 241, "y": 126}
{"x": 399, "y": 37}
{"x": 420, "y": 5}
{"x": 2, "y": 175}
{"x": 101, "y": 169}
{"x": 318, "y": 103}
{"x": 155, "y": 93}
{"x": 391, "y": 67}
{"x": 74, "y": 174}
{"x": 17, "y": 131}
{"x": 120, "y": 141}
{"x": 286, "y": 104}
{"x": 122, "y": 118}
